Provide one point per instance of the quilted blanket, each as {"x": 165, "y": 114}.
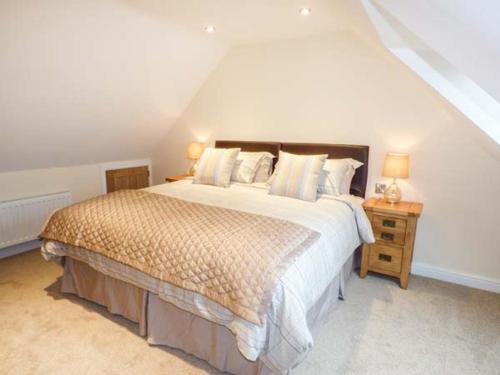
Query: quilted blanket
{"x": 232, "y": 257}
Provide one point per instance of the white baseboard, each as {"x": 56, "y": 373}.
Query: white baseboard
{"x": 19, "y": 248}
{"x": 470, "y": 280}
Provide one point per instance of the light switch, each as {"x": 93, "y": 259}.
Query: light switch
{"x": 379, "y": 188}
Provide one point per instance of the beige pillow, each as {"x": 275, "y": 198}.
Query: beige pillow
{"x": 215, "y": 166}
{"x": 297, "y": 176}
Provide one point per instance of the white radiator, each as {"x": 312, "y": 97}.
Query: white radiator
{"x": 22, "y": 220}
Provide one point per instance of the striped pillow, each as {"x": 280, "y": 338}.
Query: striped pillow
{"x": 215, "y": 166}
{"x": 297, "y": 176}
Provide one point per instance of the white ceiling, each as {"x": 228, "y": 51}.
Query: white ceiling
{"x": 249, "y": 21}
{"x": 92, "y": 81}
{"x": 84, "y": 82}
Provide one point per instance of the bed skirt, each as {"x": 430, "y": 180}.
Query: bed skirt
{"x": 162, "y": 323}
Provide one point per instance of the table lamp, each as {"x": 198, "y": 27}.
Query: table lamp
{"x": 395, "y": 166}
{"x": 194, "y": 151}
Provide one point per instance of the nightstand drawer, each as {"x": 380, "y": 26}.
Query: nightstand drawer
{"x": 389, "y": 229}
{"x": 385, "y": 258}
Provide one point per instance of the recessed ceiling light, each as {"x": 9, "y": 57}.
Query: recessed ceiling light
{"x": 305, "y": 11}
{"x": 210, "y": 29}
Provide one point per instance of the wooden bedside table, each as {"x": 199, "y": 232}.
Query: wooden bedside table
{"x": 394, "y": 226}
{"x": 177, "y": 177}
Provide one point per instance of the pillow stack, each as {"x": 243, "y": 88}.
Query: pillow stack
{"x": 296, "y": 176}
{"x": 220, "y": 166}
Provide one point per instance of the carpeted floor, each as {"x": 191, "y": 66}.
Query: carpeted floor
{"x": 431, "y": 328}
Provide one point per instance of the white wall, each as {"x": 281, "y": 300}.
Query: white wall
{"x": 84, "y": 82}
{"x": 337, "y": 89}
{"x": 82, "y": 181}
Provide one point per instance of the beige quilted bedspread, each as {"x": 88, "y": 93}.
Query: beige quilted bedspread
{"x": 232, "y": 257}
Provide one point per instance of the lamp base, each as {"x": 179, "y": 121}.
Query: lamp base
{"x": 392, "y": 194}
{"x": 192, "y": 169}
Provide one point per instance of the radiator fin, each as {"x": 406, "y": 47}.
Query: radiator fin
{"x": 22, "y": 220}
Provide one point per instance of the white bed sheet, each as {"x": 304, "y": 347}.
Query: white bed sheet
{"x": 285, "y": 338}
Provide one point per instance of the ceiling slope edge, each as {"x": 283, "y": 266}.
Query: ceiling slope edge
{"x": 461, "y": 91}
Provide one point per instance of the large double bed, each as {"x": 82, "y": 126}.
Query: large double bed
{"x": 272, "y": 335}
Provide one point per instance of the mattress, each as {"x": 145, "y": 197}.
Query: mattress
{"x": 285, "y": 338}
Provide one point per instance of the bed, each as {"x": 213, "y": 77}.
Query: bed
{"x": 302, "y": 297}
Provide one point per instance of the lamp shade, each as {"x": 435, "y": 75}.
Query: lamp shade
{"x": 396, "y": 165}
{"x": 195, "y": 150}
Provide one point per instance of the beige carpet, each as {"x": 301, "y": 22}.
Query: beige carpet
{"x": 431, "y": 328}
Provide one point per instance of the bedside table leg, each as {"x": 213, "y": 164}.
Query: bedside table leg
{"x": 403, "y": 282}
{"x": 364, "y": 261}
{"x": 411, "y": 227}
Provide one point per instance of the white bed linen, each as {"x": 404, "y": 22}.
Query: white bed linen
{"x": 285, "y": 338}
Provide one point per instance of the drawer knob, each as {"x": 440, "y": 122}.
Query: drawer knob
{"x": 387, "y": 236}
{"x": 385, "y": 258}
{"x": 389, "y": 223}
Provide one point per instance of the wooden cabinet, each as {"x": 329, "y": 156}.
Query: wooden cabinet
{"x": 127, "y": 178}
{"x": 394, "y": 227}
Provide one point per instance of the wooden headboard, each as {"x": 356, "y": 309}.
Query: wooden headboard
{"x": 357, "y": 152}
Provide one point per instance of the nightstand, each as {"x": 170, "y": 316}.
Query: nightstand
{"x": 394, "y": 226}
{"x": 177, "y": 177}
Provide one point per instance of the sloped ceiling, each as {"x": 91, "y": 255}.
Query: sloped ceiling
{"x": 466, "y": 33}
{"x": 451, "y": 46}
{"x": 92, "y": 81}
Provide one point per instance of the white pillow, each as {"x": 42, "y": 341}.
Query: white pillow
{"x": 264, "y": 169}
{"x": 215, "y": 166}
{"x": 337, "y": 175}
{"x": 297, "y": 176}
{"x": 345, "y": 187}
{"x": 247, "y": 165}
